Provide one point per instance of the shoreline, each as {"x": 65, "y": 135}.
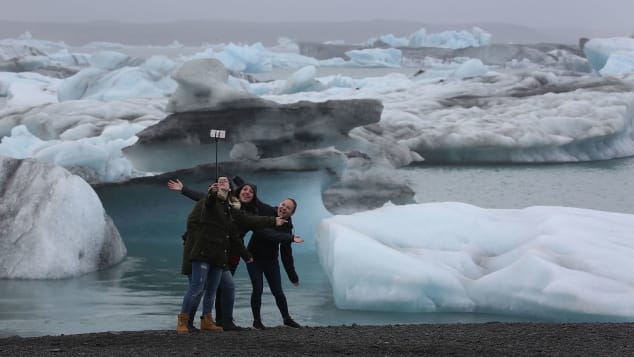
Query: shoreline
{"x": 493, "y": 338}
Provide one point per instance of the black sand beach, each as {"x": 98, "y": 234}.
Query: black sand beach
{"x": 488, "y": 339}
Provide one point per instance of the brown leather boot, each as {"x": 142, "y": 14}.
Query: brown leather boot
{"x": 183, "y": 320}
{"x": 208, "y": 324}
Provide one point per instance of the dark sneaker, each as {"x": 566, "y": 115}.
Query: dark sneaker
{"x": 291, "y": 323}
{"x": 230, "y": 326}
{"x": 192, "y": 329}
{"x": 258, "y": 325}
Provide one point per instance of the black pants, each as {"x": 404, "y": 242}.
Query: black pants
{"x": 270, "y": 269}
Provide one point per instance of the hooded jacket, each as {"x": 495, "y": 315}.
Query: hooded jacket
{"x": 211, "y": 231}
{"x": 192, "y": 224}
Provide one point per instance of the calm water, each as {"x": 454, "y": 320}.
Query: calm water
{"x": 145, "y": 290}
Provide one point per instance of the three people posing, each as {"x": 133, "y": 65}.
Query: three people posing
{"x": 208, "y": 243}
{"x": 266, "y": 242}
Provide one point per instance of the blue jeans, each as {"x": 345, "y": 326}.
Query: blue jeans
{"x": 227, "y": 295}
{"x": 194, "y": 308}
{"x": 270, "y": 269}
{"x": 220, "y": 296}
{"x": 205, "y": 277}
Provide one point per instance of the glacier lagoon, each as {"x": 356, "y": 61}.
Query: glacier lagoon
{"x": 145, "y": 290}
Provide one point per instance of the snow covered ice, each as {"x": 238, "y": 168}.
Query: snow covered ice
{"x": 462, "y": 110}
{"x": 454, "y": 257}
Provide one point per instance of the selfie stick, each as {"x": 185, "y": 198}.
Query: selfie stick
{"x": 217, "y": 135}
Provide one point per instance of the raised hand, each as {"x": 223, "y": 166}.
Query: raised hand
{"x": 235, "y": 203}
{"x": 175, "y": 185}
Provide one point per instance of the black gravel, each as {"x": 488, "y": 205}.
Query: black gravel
{"x": 488, "y": 339}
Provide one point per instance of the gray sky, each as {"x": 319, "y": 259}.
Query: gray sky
{"x": 607, "y": 16}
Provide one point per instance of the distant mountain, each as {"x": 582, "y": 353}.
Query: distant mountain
{"x": 197, "y": 32}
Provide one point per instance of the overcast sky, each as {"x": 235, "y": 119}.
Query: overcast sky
{"x": 615, "y": 16}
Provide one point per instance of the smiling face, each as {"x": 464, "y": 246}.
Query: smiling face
{"x": 286, "y": 209}
{"x": 246, "y": 194}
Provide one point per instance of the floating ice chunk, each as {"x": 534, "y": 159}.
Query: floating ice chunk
{"x": 461, "y": 258}
{"x": 375, "y": 57}
{"x": 53, "y": 225}
{"x": 251, "y": 59}
{"x": 599, "y": 50}
{"x": 301, "y": 81}
{"x": 619, "y": 62}
{"x": 471, "y": 68}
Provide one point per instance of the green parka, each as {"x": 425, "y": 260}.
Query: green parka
{"x": 212, "y": 232}
{"x": 193, "y": 221}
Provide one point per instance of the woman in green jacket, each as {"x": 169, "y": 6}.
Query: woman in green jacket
{"x": 207, "y": 245}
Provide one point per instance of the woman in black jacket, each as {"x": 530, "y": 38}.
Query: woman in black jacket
{"x": 264, "y": 246}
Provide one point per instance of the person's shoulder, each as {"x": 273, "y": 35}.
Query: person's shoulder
{"x": 249, "y": 208}
{"x": 266, "y": 209}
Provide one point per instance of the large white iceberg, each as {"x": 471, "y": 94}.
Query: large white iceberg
{"x": 52, "y": 223}
{"x": 455, "y": 257}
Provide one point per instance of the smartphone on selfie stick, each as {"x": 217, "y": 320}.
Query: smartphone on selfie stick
{"x": 217, "y": 135}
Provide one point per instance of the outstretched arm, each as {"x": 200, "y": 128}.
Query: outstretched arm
{"x": 178, "y": 186}
{"x": 286, "y": 252}
{"x": 273, "y": 235}
{"x": 194, "y": 195}
{"x": 247, "y": 222}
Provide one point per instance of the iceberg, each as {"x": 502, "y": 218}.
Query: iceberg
{"x": 53, "y": 224}
{"x": 492, "y": 103}
{"x": 535, "y": 261}
{"x": 115, "y": 76}
{"x": 601, "y": 51}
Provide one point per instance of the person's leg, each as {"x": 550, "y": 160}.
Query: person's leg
{"x": 192, "y": 312}
{"x": 213, "y": 280}
{"x": 191, "y": 299}
{"x": 272, "y": 273}
{"x": 227, "y": 298}
{"x": 219, "y": 303}
{"x": 214, "y": 273}
{"x": 257, "y": 285}
{"x": 197, "y": 283}
{"x": 274, "y": 278}
{"x": 228, "y": 295}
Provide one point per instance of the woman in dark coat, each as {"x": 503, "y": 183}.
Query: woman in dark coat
{"x": 265, "y": 245}
{"x": 209, "y": 243}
